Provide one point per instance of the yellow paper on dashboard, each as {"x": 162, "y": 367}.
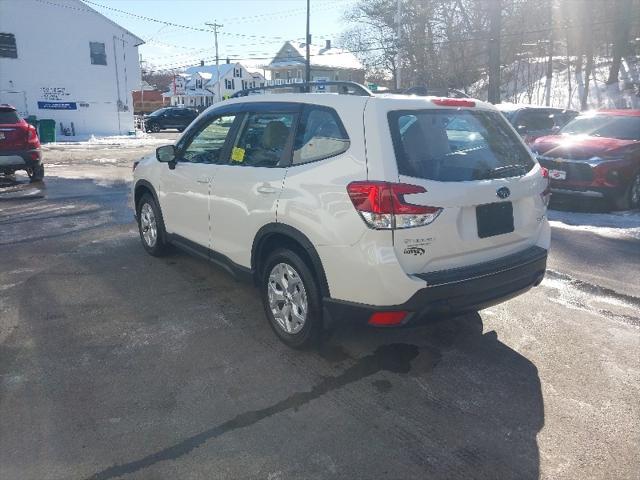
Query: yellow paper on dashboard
{"x": 237, "y": 154}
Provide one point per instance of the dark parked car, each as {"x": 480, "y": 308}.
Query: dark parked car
{"x": 19, "y": 145}
{"x": 169, "y": 117}
{"x": 596, "y": 155}
{"x": 532, "y": 121}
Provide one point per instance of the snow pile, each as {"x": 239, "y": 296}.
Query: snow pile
{"x": 524, "y": 81}
{"x": 612, "y": 225}
{"x": 141, "y": 139}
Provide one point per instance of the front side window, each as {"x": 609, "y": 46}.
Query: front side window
{"x": 320, "y": 135}
{"x": 263, "y": 140}
{"x": 207, "y": 145}
{"x": 457, "y": 145}
{"x": 98, "y": 53}
{"x": 8, "y": 47}
{"x": 609, "y": 126}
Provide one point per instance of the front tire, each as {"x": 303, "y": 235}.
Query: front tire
{"x": 154, "y": 127}
{"x": 630, "y": 200}
{"x": 151, "y": 227}
{"x": 291, "y": 299}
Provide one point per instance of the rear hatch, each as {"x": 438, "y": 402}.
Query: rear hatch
{"x": 13, "y": 130}
{"x": 476, "y": 171}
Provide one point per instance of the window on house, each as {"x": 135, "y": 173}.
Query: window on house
{"x": 8, "y": 45}
{"x": 98, "y": 53}
{"x": 237, "y": 72}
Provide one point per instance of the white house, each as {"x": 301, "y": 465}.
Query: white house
{"x": 328, "y": 63}
{"x": 198, "y": 86}
{"x": 62, "y": 60}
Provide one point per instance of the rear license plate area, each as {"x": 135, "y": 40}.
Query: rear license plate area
{"x": 494, "y": 219}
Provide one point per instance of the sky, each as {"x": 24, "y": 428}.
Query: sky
{"x": 253, "y": 30}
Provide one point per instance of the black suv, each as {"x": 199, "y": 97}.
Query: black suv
{"x": 169, "y": 117}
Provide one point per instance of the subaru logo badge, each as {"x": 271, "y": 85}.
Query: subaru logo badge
{"x": 503, "y": 192}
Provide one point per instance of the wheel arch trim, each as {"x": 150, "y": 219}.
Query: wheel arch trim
{"x": 297, "y": 236}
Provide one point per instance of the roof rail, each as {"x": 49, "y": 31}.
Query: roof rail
{"x": 347, "y": 88}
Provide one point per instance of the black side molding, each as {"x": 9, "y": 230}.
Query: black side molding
{"x": 238, "y": 272}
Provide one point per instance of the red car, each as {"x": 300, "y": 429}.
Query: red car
{"x": 19, "y": 145}
{"x": 597, "y": 155}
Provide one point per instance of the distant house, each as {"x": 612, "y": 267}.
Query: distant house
{"x": 64, "y": 61}
{"x": 327, "y": 63}
{"x": 148, "y": 99}
{"x": 198, "y": 86}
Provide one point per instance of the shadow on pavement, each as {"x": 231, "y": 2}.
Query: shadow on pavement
{"x": 185, "y": 358}
{"x": 14, "y": 187}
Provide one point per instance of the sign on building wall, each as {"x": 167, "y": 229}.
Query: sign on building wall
{"x": 54, "y": 93}
{"x": 57, "y": 106}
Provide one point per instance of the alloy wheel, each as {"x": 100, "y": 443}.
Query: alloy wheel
{"x": 287, "y": 298}
{"x": 148, "y": 225}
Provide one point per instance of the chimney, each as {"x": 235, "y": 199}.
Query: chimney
{"x": 328, "y": 45}
{"x": 228, "y": 61}
{"x": 202, "y": 63}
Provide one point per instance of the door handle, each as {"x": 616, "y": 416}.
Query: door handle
{"x": 266, "y": 189}
{"x": 203, "y": 180}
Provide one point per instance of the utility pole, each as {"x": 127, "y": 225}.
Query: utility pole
{"x": 141, "y": 95}
{"x": 308, "y": 66}
{"x": 495, "y": 14}
{"x": 398, "y": 36}
{"x": 215, "y": 27}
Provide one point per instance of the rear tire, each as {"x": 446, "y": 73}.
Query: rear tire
{"x": 151, "y": 227}
{"x": 291, "y": 299}
{"x": 36, "y": 174}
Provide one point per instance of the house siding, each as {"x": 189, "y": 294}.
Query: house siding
{"x": 53, "y": 67}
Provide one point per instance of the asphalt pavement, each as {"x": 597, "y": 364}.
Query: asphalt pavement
{"x": 115, "y": 364}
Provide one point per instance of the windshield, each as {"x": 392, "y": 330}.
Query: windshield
{"x": 158, "y": 112}
{"x": 610, "y": 126}
{"x": 457, "y": 145}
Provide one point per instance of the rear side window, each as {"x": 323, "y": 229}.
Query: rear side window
{"x": 8, "y": 116}
{"x": 320, "y": 135}
{"x": 263, "y": 140}
{"x": 457, "y": 145}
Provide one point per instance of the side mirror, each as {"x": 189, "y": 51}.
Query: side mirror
{"x": 166, "y": 153}
{"x": 521, "y": 128}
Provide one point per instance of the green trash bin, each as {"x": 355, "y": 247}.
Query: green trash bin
{"x": 47, "y": 130}
{"x": 32, "y": 120}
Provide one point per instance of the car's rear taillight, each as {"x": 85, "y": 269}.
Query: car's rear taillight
{"x": 382, "y": 205}
{"x": 546, "y": 193}
{"x": 453, "y": 102}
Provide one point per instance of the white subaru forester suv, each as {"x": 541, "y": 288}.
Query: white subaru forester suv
{"x": 383, "y": 210}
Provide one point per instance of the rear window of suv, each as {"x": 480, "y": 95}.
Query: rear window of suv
{"x": 8, "y": 116}
{"x": 457, "y": 145}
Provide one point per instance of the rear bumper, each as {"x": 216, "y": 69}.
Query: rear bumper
{"x": 587, "y": 192}
{"x": 19, "y": 159}
{"x": 451, "y": 292}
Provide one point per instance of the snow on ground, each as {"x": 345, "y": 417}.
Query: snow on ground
{"x": 614, "y": 225}
{"x": 141, "y": 139}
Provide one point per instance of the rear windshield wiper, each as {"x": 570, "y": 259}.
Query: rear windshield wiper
{"x": 502, "y": 171}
